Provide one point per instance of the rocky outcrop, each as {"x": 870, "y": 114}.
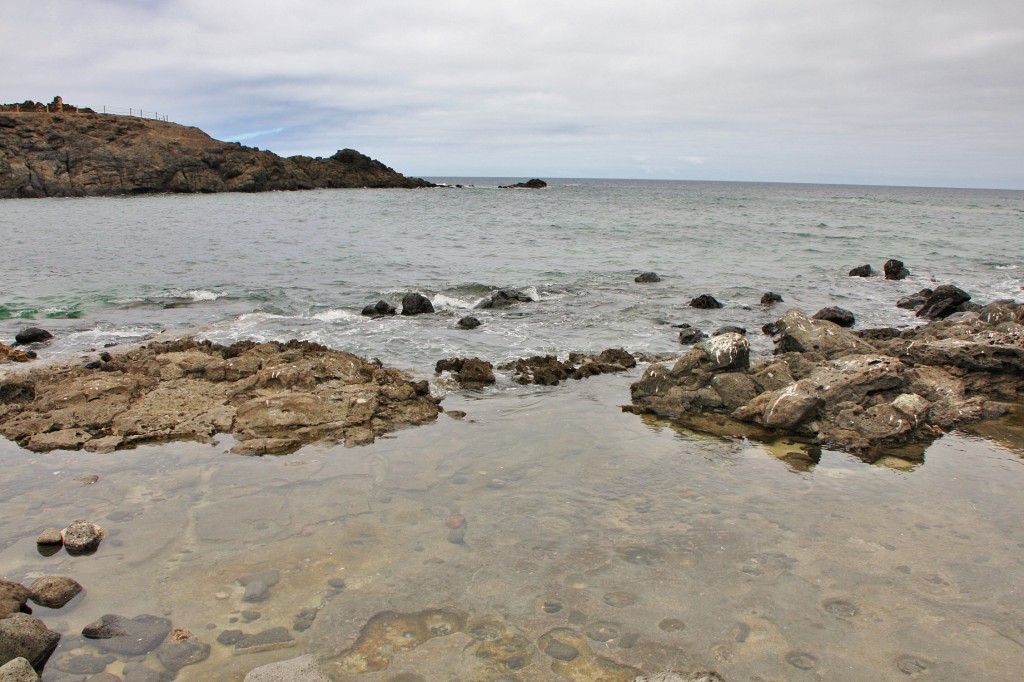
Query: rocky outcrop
{"x": 504, "y": 299}
{"x": 862, "y": 271}
{"x": 8, "y": 354}
{"x": 770, "y": 298}
{"x": 841, "y": 389}
{"x": 647, "y": 278}
{"x": 379, "y": 309}
{"x": 79, "y": 153}
{"x": 469, "y": 372}
{"x": 416, "y": 304}
{"x": 706, "y": 302}
{"x": 547, "y": 370}
{"x": 274, "y": 397}
{"x": 535, "y": 183}
{"x": 894, "y": 269}
{"x": 943, "y": 302}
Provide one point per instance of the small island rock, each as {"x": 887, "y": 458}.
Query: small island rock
{"x": 705, "y": 302}
{"x": 840, "y": 316}
{"x": 416, "y": 304}
{"x": 862, "y": 271}
{"x": 895, "y": 270}
{"x": 647, "y": 277}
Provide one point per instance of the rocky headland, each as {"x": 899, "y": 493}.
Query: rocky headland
{"x": 59, "y": 150}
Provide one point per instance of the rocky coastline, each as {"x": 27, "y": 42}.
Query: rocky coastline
{"x": 60, "y": 150}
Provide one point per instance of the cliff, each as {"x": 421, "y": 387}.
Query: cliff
{"x": 77, "y": 152}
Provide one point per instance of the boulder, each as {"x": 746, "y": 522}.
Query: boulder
{"x": 54, "y": 591}
{"x": 770, "y": 298}
{"x": 12, "y": 597}
{"x": 416, "y": 304}
{"x": 647, "y": 278}
{"x": 799, "y": 334}
{"x": 469, "y": 372}
{"x": 18, "y": 670}
{"x": 82, "y": 537}
{"x": 862, "y": 271}
{"x": 379, "y": 309}
{"x": 468, "y": 322}
{"x": 130, "y": 636}
{"x": 915, "y": 301}
{"x": 31, "y": 335}
{"x": 24, "y": 636}
{"x": 840, "y": 316}
{"x": 894, "y": 269}
{"x": 943, "y": 302}
{"x": 705, "y": 301}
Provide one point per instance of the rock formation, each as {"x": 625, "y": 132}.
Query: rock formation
{"x": 273, "y": 397}
{"x": 78, "y": 152}
{"x": 535, "y": 183}
{"x": 863, "y": 393}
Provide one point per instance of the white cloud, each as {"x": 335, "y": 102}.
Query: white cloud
{"x": 926, "y": 92}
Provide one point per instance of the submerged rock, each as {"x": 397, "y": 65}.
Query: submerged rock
{"x": 301, "y": 669}
{"x": 770, "y": 298}
{"x": 379, "y": 309}
{"x": 862, "y": 271}
{"x": 129, "y": 636}
{"x": 548, "y": 370}
{"x": 468, "y": 322}
{"x": 504, "y": 299}
{"x": 647, "y": 278}
{"x": 469, "y": 372}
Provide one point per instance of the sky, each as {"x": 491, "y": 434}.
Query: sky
{"x": 907, "y": 92}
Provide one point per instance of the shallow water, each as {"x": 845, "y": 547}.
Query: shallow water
{"x": 636, "y": 545}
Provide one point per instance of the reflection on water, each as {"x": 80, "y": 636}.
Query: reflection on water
{"x": 545, "y": 536}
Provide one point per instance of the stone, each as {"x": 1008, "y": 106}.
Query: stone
{"x": 185, "y": 649}
{"x": 729, "y": 329}
{"x": 24, "y": 636}
{"x": 229, "y": 637}
{"x": 304, "y": 619}
{"x": 705, "y": 301}
{"x": 378, "y": 309}
{"x": 300, "y": 669}
{"x": 18, "y": 670}
{"x": 416, "y": 304}
{"x": 81, "y": 664}
{"x": 54, "y": 592}
{"x": 727, "y": 351}
{"x": 8, "y": 354}
{"x": 914, "y": 301}
{"x": 862, "y": 271}
{"x": 137, "y": 672}
{"x": 943, "y": 302}
{"x": 129, "y": 636}
{"x": 504, "y": 299}
{"x": 82, "y": 537}
{"x": 12, "y": 597}
{"x": 475, "y": 373}
{"x": 840, "y": 316}
{"x": 799, "y": 334}
{"x": 32, "y": 335}
{"x": 468, "y": 322}
{"x": 770, "y": 298}
{"x": 267, "y": 640}
{"x": 647, "y": 278}
{"x": 690, "y": 335}
{"x": 895, "y": 270}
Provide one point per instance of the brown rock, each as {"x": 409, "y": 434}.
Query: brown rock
{"x": 82, "y": 537}
{"x": 12, "y": 597}
{"x": 54, "y": 591}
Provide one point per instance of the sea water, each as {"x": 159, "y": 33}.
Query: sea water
{"x": 632, "y": 544}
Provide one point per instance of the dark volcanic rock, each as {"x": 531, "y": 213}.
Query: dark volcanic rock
{"x": 862, "y": 271}
{"x": 469, "y": 372}
{"x": 504, "y": 299}
{"x": 894, "y": 269}
{"x": 89, "y": 154}
{"x": 943, "y": 302}
{"x": 468, "y": 322}
{"x": 840, "y": 316}
{"x": 129, "y": 636}
{"x": 689, "y": 335}
{"x": 647, "y": 277}
{"x": 54, "y": 591}
{"x": 914, "y": 301}
{"x": 31, "y": 335}
{"x": 416, "y": 304}
{"x": 770, "y": 298}
{"x": 378, "y": 309}
{"x": 549, "y": 371}
{"x": 529, "y": 184}
{"x": 730, "y": 329}
{"x": 25, "y": 636}
{"x": 705, "y": 301}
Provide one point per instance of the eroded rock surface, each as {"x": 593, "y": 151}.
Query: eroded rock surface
{"x": 273, "y": 397}
{"x": 840, "y": 389}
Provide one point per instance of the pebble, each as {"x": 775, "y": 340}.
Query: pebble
{"x": 50, "y": 536}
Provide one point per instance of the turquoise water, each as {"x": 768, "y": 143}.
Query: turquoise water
{"x": 285, "y": 265}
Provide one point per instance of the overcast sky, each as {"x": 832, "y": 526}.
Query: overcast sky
{"x": 907, "y": 92}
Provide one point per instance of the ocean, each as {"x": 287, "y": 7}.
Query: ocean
{"x": 595, "y": 544}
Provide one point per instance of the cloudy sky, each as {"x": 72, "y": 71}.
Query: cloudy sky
{"x": 908, "y": 92}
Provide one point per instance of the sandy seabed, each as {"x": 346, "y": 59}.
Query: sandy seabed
{"x": 547, "y": 536}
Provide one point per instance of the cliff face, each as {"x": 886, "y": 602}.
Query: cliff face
{"x": 87, "y": 154}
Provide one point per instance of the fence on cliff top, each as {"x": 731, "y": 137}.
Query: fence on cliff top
{"x": 130, "y": 111}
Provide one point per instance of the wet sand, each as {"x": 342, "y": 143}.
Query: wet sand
{"x": 593, "y": 545}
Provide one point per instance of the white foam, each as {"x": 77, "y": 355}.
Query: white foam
{"x": 444, "y": 301}
{"x": 335, "y": 315}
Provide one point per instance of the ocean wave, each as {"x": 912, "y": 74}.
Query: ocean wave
{"x": 335, "y": 315}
